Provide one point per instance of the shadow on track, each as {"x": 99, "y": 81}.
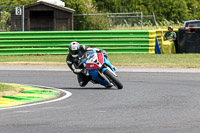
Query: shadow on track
{"x": 87, "y": 88}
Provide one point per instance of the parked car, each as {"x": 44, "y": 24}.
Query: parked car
{"x": 192, "y": 24}
{"x": 189, "y": 37}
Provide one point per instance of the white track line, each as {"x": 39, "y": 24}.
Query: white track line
{"x": 68, "y": 94}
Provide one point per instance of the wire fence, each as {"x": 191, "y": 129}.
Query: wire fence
{"x": 114, "y": 21}
{"x": 11, "y": 18}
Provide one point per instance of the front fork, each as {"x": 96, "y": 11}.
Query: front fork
{"x": 107, "y": 67}
{"x": 103, "y": 76}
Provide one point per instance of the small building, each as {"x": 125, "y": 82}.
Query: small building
{"x": 44, "y": 16}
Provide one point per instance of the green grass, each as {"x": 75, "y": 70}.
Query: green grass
{"x": 154, "y": 60}
{"x": 148, "y": 25}
{"x": 145, "y": 27}
{"x": 4, "y": 87}
{"x": 134, "y": 60}
{"x": 33, "y": 58}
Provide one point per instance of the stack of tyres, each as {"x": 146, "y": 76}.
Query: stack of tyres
{"x": 189, "y": 40}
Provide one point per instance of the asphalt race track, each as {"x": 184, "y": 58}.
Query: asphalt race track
{"x": 148, "y": 103}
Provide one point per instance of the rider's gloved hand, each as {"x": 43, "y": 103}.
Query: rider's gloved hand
{"x": 84, "y": 71}
{"x": 77, "y": 71}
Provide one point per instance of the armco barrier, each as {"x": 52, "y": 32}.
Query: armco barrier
{"x": 56, "y": 42}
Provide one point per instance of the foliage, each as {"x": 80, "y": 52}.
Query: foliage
{"x": 5, "y": 18}
{"x": 16, "y": 2}
{"x": 193, "y": 9}
{"x": 170, "y": 10}
{"x": 5, "y": 87}
{"x": 86, "y": 22}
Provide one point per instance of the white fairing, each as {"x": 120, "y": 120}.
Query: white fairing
{"x": 94, "y": 60}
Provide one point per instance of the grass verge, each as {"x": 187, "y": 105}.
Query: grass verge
{"x": 6, "y": 89}
{"x": 133, "y": 60}
{"x": 157, "y": 60}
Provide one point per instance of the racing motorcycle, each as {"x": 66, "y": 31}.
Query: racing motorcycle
{"x": 100, "y": 69}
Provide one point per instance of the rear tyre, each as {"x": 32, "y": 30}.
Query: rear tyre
{"x": 113, "y": 79}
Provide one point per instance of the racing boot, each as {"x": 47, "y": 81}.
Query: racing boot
{"x": 109, "y": 86}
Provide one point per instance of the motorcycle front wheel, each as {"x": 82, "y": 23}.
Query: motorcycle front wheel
{"x": 113, "y": 79}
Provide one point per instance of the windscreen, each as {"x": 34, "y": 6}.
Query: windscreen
{"x": 89, "y": 54}
{"x": 193, "y": 24}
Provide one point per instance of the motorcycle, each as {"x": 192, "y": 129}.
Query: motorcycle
{"x": 100, "y": 69}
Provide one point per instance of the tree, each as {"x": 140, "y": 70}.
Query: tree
{"x": 16, "y": 2}
{"x": 174, "y": 10}
{"x": 86, "y": 22}
{"x": 193, "y": 9}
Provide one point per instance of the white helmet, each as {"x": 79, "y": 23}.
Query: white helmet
{"x": 74, "y": 48}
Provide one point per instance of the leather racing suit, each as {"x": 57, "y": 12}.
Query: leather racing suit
{"x": 74, "y": 65}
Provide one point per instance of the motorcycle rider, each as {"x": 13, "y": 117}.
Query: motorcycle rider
{"x": 74, "y": 62}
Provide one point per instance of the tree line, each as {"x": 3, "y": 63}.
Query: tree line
{"x": 172, "y": 10}
{"x": 176, "y": 10}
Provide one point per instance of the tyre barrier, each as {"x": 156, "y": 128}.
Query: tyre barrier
{"x": 29, "y": 94}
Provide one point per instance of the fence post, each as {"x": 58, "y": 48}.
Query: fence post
{"x": 141, "y": 21}
{"x": 110, "y": 26}
{"x": 155, "y": 20}
{"x": 3, "y": 20}
{"x": 22, "y": 18}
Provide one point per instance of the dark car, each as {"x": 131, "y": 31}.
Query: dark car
{"x": 189, "y": 37}
{"x": 192, "y": 24}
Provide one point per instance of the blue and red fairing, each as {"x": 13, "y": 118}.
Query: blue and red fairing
{"x": 94, "y": 69}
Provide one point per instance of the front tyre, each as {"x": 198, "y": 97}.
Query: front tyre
{"x": 113, "y": 79}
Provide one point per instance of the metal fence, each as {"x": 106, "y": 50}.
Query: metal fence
{"x": 12, "y": 18}
{"x": 114, "y": 21}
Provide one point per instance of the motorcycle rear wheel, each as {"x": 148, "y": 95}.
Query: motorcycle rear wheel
{"x": 113, "y": 79}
